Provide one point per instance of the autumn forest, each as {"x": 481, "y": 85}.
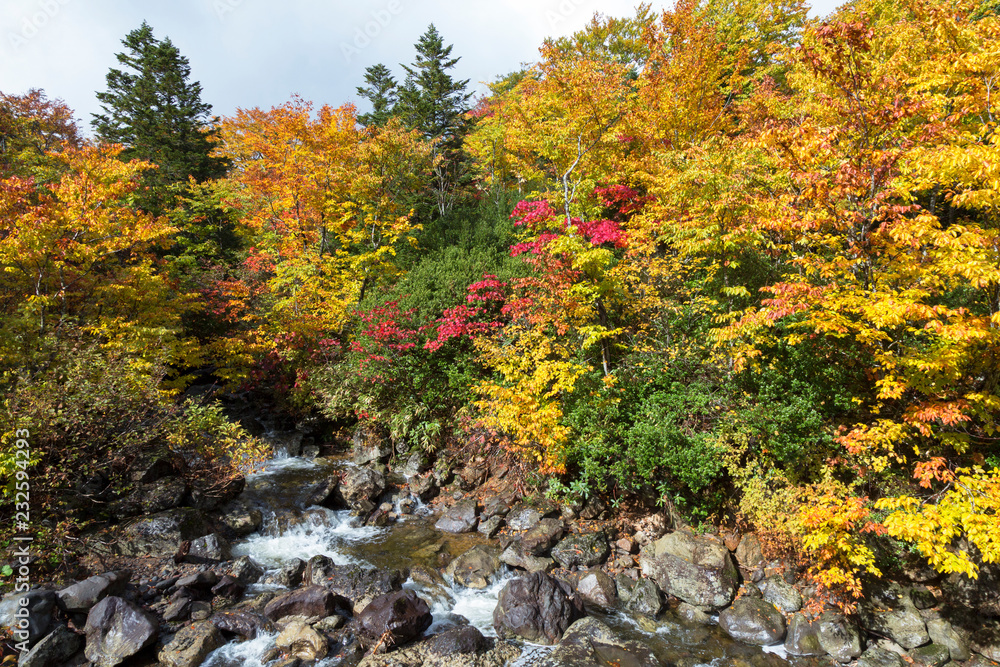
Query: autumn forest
{"x": 723, "y": 256}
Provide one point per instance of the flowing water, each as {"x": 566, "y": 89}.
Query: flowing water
{"x": 293, "y": 530}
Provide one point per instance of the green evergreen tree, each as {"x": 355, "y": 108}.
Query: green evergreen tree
{"x": 432, "y": 102}
{"x": 381, "y": 93}
{"x": 152, "y": 108}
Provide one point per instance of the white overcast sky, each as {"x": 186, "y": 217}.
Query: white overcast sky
{"x": 249, "y": 53}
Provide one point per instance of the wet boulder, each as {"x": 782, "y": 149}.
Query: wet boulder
{"x": 781, "y": 594}
{"x": 81, "y": 596}
{"x": 370, "y": 445}
{"x": 932, "y": 655}
{"x": 475, "y": 568}
{"x": 237, "y": 519}
{"x": 753, "y": 622}
{"x": 540, "y": 538}
{"x": 242, "y": 623}
{"x": 642, "y": 597}
{"x": 40, "y": 605}
{"x": 117, "y": 630}
{"x": 311, "y": 601}
{"x": 889, "y": 611}
{"x": 303, "y": 642}
{"x": 400, "y": 617}
{"x": 208, "y": 549}
{"x": 597, "y": 588}
{"x": 515, "y": 557}
{"x": 288, "y": 575}
{"x": 360, "y": 489}
{"x": 523, "y": 517}
{"x": 161, "y": 535}
{"x": 459, "y": 518}
{"x": 326, "y": 494}
{"x": 803, "y": 637}
{"x": 696, "y": 569}
{"x": 53, "y": 650}
{"x": 944, "y": 634}
{"x": 584, "y": 550}
{"x": 875, "y": 656}
{"x": 490, "y": 527}
{"x": 191, "y": 645}
{"x": 230, "y": 587}
{"x": 536, "y": 608}
{"x": 245, "y": 571}
{"x": 839, "y": 637}
{"x": 358, "y": 584}
{"x": 590, "y": 643}
{"x": 423, "y": 487}
{"x": 463, "y": 640}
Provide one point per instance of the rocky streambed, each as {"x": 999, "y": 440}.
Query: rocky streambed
{"x": 380, "y": 559}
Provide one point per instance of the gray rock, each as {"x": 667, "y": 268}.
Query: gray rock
{"x": 781, "y": 594}
{"x": 205, "y": 497}
{"x": 191, "y": 645}
{"x": 889, "y": 611}
{"x": 597, "y": 588}
{"x": 696, "y": 569}
{"x": 540, "y": 538}
{"x": 514, "y": 557}
{"x": 39, "y": 605}
{"x": 590, "y": 643}
{"x": 237, "y": 519}
{"x": 326, "y": 494}
{"x": 360, "y": 488}
{"x": 495, "y": 506}
{"x": 208, "y": 549}
{"x": 839, "y": 637}
{"x": 245, "y": 571}
{"x": 369, "y": 446}
{"x": 523, "y": 518}
{"x": 53, "y": 650}
{"x": 462, "y": 640}
{"x": 753, "y": 622}
{"x": 80, "y": 597}
{"x": 879, "y": 657}
{"x": 986, "y": 640}
{"x": 490, "y": 527}
{"x": 583, "y": 550}
{"x": 942, "y": 633}
{"x": 163, "y": 494}
{"x": 401, "y": 615}
{"x": 151, "y": 466}
{"x": 358, "y": 584}
{"x": 423, "y": 486}
{"x": 116, "y": 630}
{"x": 475, "y": 568}
{"x": 645, "y": 598}
{"x": 922, "y": 597}
{"x": 932, "y": 655}
{"x": 750, "y": 557}
{"x": 161, "y": 535}
{"x": 288, "y": 575}
{"x": 803, "y": 637}
{"x": 537, "y": 608}
{"x": 242, "y": 623}
{"x": 459, "y": 518}
{"x": 302, "y": 642}
{"x": 981, "y": 595}
{"x": 472, "y": 476}
{"x": 309, "y": 601}
{"x": 693, "y": 614}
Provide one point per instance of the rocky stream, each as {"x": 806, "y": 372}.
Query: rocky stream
{"x": 377, "y": 558}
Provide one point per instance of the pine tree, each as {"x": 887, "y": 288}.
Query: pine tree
{"x": 157, "y": 113}
{"x": 381, "y": 92}
{"x": 435, "y": 104}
